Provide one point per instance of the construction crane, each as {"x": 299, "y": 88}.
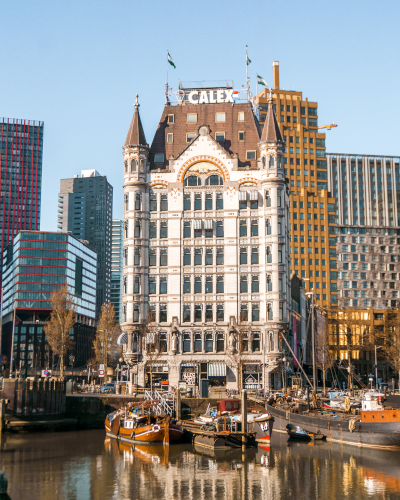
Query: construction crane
{"x": 328, "y": 126}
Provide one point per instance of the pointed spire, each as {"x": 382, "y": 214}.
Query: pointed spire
{"x": 136, "y": 135}
{"x": 271, "y": 131}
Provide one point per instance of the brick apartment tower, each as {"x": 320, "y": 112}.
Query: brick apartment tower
{"x": 312, "y": 207}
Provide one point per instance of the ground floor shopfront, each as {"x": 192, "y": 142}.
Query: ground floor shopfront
{"x": 193, "y": 375}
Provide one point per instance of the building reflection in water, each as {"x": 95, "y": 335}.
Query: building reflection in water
{"x": 85, "y": 465}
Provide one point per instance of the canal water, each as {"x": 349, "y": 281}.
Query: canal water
{"x": 85, "y": 465}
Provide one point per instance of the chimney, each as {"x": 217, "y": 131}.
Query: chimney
{"x": 275, "y": 74}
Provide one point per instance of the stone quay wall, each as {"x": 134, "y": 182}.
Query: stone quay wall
{"x": 32, "y": 397}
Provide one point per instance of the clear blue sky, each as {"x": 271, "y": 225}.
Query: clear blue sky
{"x": 78, "y": 64}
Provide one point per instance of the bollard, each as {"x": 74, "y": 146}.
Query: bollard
{"x": 3, "y": 483}
{"x": 244, "y": 410}
{"x": 178, "y": 413}
{"x": 3, "y": 403}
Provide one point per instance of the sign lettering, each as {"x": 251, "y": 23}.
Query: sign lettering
{"x": 207, "y": 96}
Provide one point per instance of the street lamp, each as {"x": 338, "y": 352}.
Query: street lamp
{"x": 376, "y": 366}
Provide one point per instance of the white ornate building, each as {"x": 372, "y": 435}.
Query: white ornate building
{"x": 206, "y": 245}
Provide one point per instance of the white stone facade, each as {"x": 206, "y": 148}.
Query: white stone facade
{"x": 189, "y": 251}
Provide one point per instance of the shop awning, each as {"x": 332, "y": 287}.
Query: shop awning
{"x": 122, "y": 339}
{"x": 217, "y": 370}
{"x": 253, "y": 195}
{"x": 242, "y": 195}
{"x": 190, "y": 365}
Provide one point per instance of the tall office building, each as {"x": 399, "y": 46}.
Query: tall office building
{"x": 21, "y": 153}
{"x": 367, "y": 190}
{"x": 85, "y": 211}
{"x": 116, "y": 267}
{"x": 312, "y": 217}
{"x": 206, "y": 242}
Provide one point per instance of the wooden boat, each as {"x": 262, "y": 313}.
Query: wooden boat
{"x": 135, "y": 425}
{"x": 296, "y": 432}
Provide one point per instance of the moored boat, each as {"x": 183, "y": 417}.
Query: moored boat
{"x": 372, "y": 428}
{"x": 134, "y": 425}
{"x": 296, "y": 432}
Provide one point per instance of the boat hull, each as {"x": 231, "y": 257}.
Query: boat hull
{"x": 153, "y": 433}
{"x": 370, "y": 435}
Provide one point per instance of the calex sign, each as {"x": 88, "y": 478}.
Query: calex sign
{"x": 211, "y": 96}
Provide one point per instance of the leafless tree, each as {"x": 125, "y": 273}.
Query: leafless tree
{"x": 322, "y": 347}
{"x": 152, "y": 342}
{"x": 105, "y": 342}
{"x": 62, "y": 320}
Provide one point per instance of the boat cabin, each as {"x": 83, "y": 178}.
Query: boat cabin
{"x": 229, "y": 405}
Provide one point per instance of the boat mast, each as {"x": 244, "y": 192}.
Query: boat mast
{"x": 313, "y": 344}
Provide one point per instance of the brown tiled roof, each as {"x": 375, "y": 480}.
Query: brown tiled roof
{"x": 206, "y": 116}
{"x": 135, "y": 133}
{"x": 271, "y": 131}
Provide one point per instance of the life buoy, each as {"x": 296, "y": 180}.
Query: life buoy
{"x": 156, "y": 428}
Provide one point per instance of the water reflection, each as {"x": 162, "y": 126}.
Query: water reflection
{"x": 84, "y": 465}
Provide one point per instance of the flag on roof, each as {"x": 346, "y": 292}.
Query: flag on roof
{"x": 170, "y": 60}
{"x": 248, "y": 60}
{"x": 262, "y": 81}
{"x": 235, "y": 94}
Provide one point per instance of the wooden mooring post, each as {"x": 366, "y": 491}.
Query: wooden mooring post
{"x": 244, "y": 418}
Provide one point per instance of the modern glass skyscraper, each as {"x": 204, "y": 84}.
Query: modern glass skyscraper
{"x": 21, "y": 152}
{"x": 35, "y": 265}
{"x": 116, "y": 267}
{"x": 85, "y": 211}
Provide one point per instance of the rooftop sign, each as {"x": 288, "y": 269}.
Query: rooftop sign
{"x": 211, "y": 96}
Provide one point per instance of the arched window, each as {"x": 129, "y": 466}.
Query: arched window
{"x": 127, "y": 202}
{"x": 125, "y": 284}
{"x": 268, "y": 198}
{"x": 138, "y": 201}
{"x": 137, "y": 229}
{"x": 142, "y": 163}
{"x": 214, "y": 180}
{"x": 269, "y": 255}
{"x": 270, "y": 313}
{"x": 126, "y": 229}
{"x": 269, "y": 283}
{"x": 133, "y": 165}
{"x": 124, "y": 313}
{"x": 271, "y": 162}
{"x": 137, "y": 256}
{"x": 192, "y": 180}
{"x": 136, "y": 285}
{"x": 126, "y": 166}
{"x": 271, "y": 341}
{"x": 125, "y": 256}
{"x": 268, "y": 226}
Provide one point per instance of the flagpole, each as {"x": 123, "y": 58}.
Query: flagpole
{"x": 247, "y": 78}
{"x": 166, "y": 85}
